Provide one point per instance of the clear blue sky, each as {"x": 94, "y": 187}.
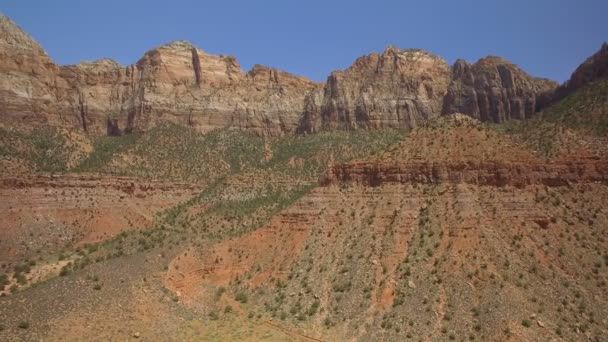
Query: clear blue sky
{"x": 547, "y": 38}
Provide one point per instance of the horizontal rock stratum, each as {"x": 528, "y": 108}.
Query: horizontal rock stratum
{"x": 557, "y": 173}
{"x": 457, "y": 149}
{"x": 181, "y": 83}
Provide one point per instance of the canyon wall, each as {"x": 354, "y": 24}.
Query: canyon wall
{"x": 495, "y": 90}
{"x": 177, "y": 82}
{"x": 181, "y": 83}
{"x": 397, "y": 88}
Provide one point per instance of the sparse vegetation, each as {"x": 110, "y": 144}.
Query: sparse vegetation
{"x": 399, "y": 260}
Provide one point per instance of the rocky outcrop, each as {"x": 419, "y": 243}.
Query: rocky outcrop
{"x": 176, "y": 82}
{"x": 556, "y": 173}
{"x": 34, "y": 90}
{"x": 181, "y": 83}
{"x": 97, "y": 91}
{"x": 593, "y": 69}
{"x": 400, "y": 88}
{"x": 397, "y": 88}
{"x": 495, "y": 90}
{"x": 28, "y": 78}
{"x": 113, "y": 129}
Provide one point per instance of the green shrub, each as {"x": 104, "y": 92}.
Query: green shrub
{"x": 241, "y": 297}
{"x": 4, "y": 279}
{"x": 65, "y": 270}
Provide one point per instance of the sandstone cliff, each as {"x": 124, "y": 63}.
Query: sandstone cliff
{"x": 495, "y": 90}
{"x": 181, "y": 83}
{"x": 397, "y": 88}
{"x": 177, "y": 82}
{"x": 400, "y": 88}
{"x": 28, "y": 77}
{"x": 96, "y": 92}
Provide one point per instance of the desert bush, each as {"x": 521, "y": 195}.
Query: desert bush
{"x": 241, "y": 297}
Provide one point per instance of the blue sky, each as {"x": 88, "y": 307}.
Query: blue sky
{"x": 547, "y": 38}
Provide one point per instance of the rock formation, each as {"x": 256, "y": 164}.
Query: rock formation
{"x": 176, "y": 82}
{"x": 28, "y": 77}
{"x": 399, "y": 88}
{"x": 593, "y": 69}
{"x": 557, "y": 173}
{"x": 181, "y": 83}
{"x": 495, "y": 90}
{"x": 396, "y": 88}
{"x": 458, "y": 149}
{"x": 95, "y": 92}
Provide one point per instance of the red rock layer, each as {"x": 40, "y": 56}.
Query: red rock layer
{"x": 557, "y": 173}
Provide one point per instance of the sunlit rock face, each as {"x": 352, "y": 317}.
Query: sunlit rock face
{"x": 396, "y": 88}
{"x": 495, "y": 90}
{"x": 177, "y": 82}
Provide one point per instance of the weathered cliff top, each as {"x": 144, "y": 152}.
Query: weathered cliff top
{"x": 14, "y": 36}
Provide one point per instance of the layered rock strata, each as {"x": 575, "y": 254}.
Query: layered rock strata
{"x": 556, "y": 173}
{"x": 181, "y": 83}
{"x": 397, "y": 89}
{"x": 177, "y": 82}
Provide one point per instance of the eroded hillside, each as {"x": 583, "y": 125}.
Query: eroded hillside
{"x": 422, "y": 257}
{"x": 444, "y": 231}
{"x": 172, "y": 199}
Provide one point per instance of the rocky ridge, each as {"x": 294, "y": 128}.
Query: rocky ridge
{"x": 180, "y": 83}
{"x": 397, "y": 88}
{"x": 29, "y": 77}
{"x": 592, "y": 69}
{"x": 176, "y": 82}
{"x": 459, "y": 150}
{"x": 559, "y": 173}
{"x": 495, "y": 90}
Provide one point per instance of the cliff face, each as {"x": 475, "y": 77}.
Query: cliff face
{"x": 495, "y": 90}
{"x": 400, "y": 88}
{"x": 96, "y": 92}
{"x": 181, "y": 83}
{"x": 28, "y": 77}
{"x": 176, "y": 82}
{"x": 397, "y": 88}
